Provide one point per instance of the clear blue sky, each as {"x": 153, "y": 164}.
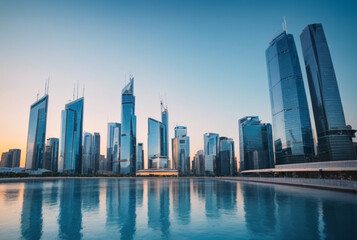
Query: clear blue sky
{"x": 207, "y": 58}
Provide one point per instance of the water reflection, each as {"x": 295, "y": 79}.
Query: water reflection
{"x": 174, "y": 208}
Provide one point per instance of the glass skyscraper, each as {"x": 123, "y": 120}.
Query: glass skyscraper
{"x": 290, "y": 113}
{"x": 334, "y": 138}
{"x": 87, "y": 153}
{"x": 211, "y": 145}
{"x": 199, "y": 161}
{"x": 51, "y": 154}
{"x": 156, "y": 148}
{"x": 71, "y": 138}
{"x": 165, "y": 121}
{"x": 140, "y": 157}
{"x": 11, "y": 159}
{"x": 128, "y": 130}
{"x": 225, "y": 161}
{"x": 96, "y": 152}
{"x": 113, "y": 147}
{"x": 181, "y": 151}
{"x": 36, "y": 134}
{"x": 255, "y": 144}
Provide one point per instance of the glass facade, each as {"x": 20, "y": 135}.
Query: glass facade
{"x": 96, "y": 152}
{"x": 199, "y": 162}
{"x": 11, "y": 159}
{"x": 165, "y": 123}
{"x": 128, "y": 130}
{"x": 36, "y": 134}
{"x": 255, "y": 144}
{"x": 156, "y": 139}
{"x": 87, "y": 153}
{"x": 290, "y": 113}
{"x": 51, "y": 155}
{"x": 140, "y": 157}
{"x": 334, "y": 139}
{"x": 70, "y": 160}
{"x": 181, "y": 151}
{"x": 211, "y": 145}
{"x": 225, "y": 161}
{"x": 113, "y": 147}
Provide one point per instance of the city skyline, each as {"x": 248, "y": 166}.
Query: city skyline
{"x": 151, "y": 86}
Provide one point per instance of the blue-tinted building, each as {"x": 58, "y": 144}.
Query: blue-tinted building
{"x": 211, "y": 151}
{"x": 255, "y": 144}
{"x": 334, "y": 138}
{"x": 181, "y": 151}
{"x": 128, "y": 130}
{"x": 36, "y": 134}
{"x": 156, "y": 149}
{"x": 290, "y": 113}
{"x": 199, "y": 162}
{"x": 165, "y": 122}
{"x": 11, "y": 159}
{"x": 51, "y": 154}
{"x": 113, "y": 147}
{"x": 71, "y": 138}
{"x": 140, "y": 157}
{"x": 225, "y": 161}
{"x": 87, "y": 153}
{"x": 96, "y": 152}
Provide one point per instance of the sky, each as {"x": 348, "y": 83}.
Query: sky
{"x": 204, "y": 59}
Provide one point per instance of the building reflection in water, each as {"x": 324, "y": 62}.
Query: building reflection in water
{"x": 227, "y": 196}
{"x": 31, "y": 217}
{"x": 159, "y": 206}
{"x": 70, "y": 213}
{"x": 181, "y": 199}
{"x": 210, "y": 190}
{"x": 90, "y": 195}
{"x": 11, "y": 194}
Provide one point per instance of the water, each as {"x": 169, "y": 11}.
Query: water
{"x": 165, "y": 208}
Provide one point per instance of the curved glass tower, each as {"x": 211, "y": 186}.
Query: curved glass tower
{"x": 334, "y": 139}
{"x": 211, "y": 151}
{"x": 225, "y": 161}
{"x": 156, "y": 140}
{"x": 128, "y": 131}
{"x": 113, "y": 147}
{"x": 36, "y": 134}
{"x": 291, "y": 120}
{"x": 71, "y": 138}
{"x": 181, "y": 151}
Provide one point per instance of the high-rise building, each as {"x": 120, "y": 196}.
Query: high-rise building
{"x": 87, "y": 153}
{"x": 11, "y": 158}
{"x": 165, "y": 122}
{"x": 211, "y": 145}
{"x": 113, "y": 147}
{"x": 334, "y": 138}
{"x": 70, "y": 160}
{"x": 140, "y": 157}
{"x": 156, "y": 148}
{"x": 36, "y": 134}
{"x": 128, "y": 130}
{"x": 225, "y": 161}
{"x": 199, "y": 161}
{"x": 51, "y": 155}
{"x": 181, "y": 151}
{"x": 96, "y": 152}
{"x": 255, "y": 144}
{"x": 290, "y": 113}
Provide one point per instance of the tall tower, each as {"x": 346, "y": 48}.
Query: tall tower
{"x": 36, "y": 134}
{"x": 181, "y": 151}
{"x": 128, "y": 131}
{"x": 334, "y": 138}
{"x": 290, "y": 113}
{"x": 113, "y": 147}
{"x": 165, "y": 122}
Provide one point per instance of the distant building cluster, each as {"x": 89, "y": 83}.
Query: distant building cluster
{"x": 288, "y": 140}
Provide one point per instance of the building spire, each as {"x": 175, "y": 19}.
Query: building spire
{"x": 284, "y": 25}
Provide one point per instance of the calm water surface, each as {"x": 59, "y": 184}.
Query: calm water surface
{"x": 173, "y": 209}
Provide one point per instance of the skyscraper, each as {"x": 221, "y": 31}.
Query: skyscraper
{"x": 334, "y": 138}
{"x": 128, "y": 131}
{"x": 11, "y": 158}
{"x": 199, "y": 160}
{"x": 71, "y": 137}
{"x": 225, "y": 161}
{"x": 181, "y": 151}
{"x": 36, "y": 134}
{"x": 140, "y": 157}
{"x": 87, "y": 153}
{"x": 290, "y": 113}
{"x": 96, "y": 152}
{"x": 165, "y": 121}
{"x": 51, "y": 155}
{"x": 255, "y": 144}
{"x": 211, "y": 145}
{"x": 156, "y": 147}
{"x": 113, "y": 147}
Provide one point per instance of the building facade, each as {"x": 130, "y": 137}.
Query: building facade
{"x": 87, "y": 153}
{"x": 70, "y": 160}
{"x": 165, "y": 122}
{"x": 36, "y": 134}
{"x": 140, "y": 157}
{"x": 199, "y": 163}
{"x": 156, "y": 148}
{"x": 225, "y": 161}
{"x": 51, "y": 155}
{"x": 255, "y": 144}
{"x": 290, "y": 113}
{"x": 334, "y": 138}
{"x": 128, "y": 130}
{"x": 181, "y": 151}
{"x": 113, "y": 147}
{"x": 211, "y": 145}
{"x": 11, "y": 159}
{"x": 96, "y": 152}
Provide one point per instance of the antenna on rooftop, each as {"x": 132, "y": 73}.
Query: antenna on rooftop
{"x": 284, "y": 25}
